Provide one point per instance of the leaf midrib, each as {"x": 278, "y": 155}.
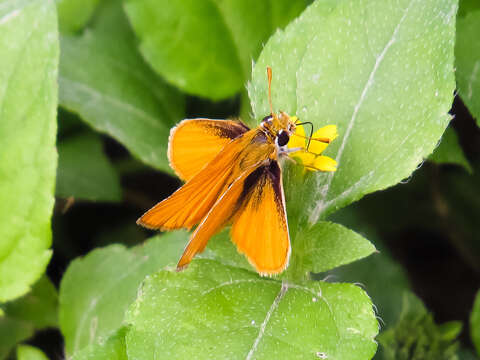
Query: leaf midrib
{"x": 105, "y": 290}
{"x": 320, "y": 206}
{"x": 118, "y": 103}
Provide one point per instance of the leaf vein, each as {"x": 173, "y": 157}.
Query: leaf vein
{"x": 320, "y": 204}
{"x": 11, "y": 15}
{"x": 319, "y": 294}
{"x": 273, "y": 307}
{"x": 476, "y": 68}
{"x": 232, "y": 282}
{"x": 365, "y": 177}
{"x": 115, "y": 102}
{"x": 95, "y": 300}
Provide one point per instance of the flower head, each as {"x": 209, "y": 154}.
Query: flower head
{"x": 309, "y": 150}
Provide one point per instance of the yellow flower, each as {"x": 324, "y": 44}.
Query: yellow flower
{"x": 310, "y": 154}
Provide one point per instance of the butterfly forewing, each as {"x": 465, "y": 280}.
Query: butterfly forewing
{"x": 191, "y": 203}
{"x": 194, "y": 143}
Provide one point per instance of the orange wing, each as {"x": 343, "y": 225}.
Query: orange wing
{"x": 220, "y": 214}
{"x": 189, "y": 204}
{"x": 193, "y": 143}
{"x": 260, "y": 228}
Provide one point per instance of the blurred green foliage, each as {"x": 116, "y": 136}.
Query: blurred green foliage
{"x": 449, "y": 151}
{"x": 93, "y": 310}
{"x": 35, "y": 311}
{"x": 468, "y": 60}
{"x": 74, "y": 14}
{"x": 106, "y": 82}
{"x": 416, "y": 336}
{"x": 84, "y": 172}
{"x": 25, "y": 352}
{"x": 475, "y": 323}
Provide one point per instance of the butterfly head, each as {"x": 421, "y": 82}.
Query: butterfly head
{"x": 280, "y": 126}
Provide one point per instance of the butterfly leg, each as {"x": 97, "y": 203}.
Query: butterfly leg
{"x": 291, "y": 150}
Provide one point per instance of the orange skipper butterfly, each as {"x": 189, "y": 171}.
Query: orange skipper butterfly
{"x": 233, "y": 176}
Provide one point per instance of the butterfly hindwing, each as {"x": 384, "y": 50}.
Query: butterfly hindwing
{"x": 219, "y": 215}
{"x": 260, "y": 228}
{"x": 193, "y": 143}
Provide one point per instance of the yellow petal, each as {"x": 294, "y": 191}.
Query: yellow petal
{"x": 325, "y": 163}
{"x": 327, "y": 132}
{"x": 306, "y": 158}
{"x": 297, "y": 141}
{"x": 317, "y": 147}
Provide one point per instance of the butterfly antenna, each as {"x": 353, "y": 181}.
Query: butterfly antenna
{"x": 311, "y": 131}
{"x": 269, "y": 75}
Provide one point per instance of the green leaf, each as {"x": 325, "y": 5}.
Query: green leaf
{"x": 28, "y": 159}
{"x": 206, "y": 47}
{"x": 467, "y": 6}
{"x": 26, "y": 352}
{"x": 112, "y": 349}
{"x": 450, "y": 330}
{"x": 320, "y": 248}
{"x": 467, "y": 55}
{"x": 417, "y": 337}
{"x": 385, "y": 287}
{"x": 38, "y": 307}
{"x": 34, "y": 311}
{"x": 215, "y": 311}
{"x": 221, "y": 248}
{"x": 466, "y": 354}
{"x": 382, "y": 71}
{"x": 11, "y": 333}
{"x": 85, "y": 172}
{"x": 105, "y": 81}
{"x": 74, "y": 14}
{"x": 475, "y": 323}
{"x": 326, "y": 245}
{"x": 316, "y": 248}
{"x": 384, "y": 280}
{"x": 92, "y": 308}
{"x": 449, "y": 151}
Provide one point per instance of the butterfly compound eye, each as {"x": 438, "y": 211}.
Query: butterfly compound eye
{"x": 267, "y": 118}
{"x": 282, "y": 138}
